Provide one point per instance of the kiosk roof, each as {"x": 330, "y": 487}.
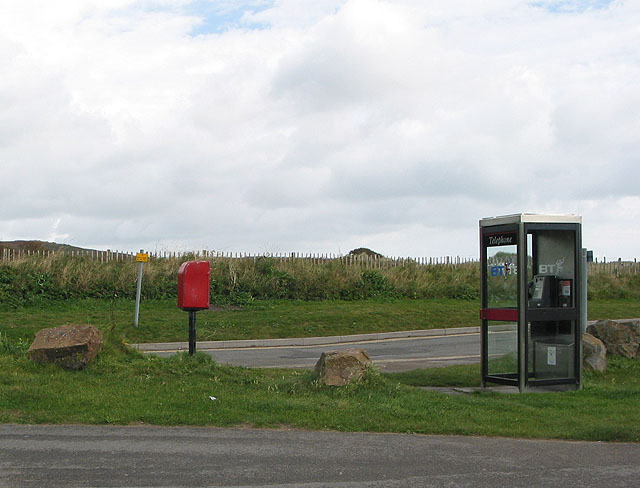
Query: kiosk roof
{"x": 530, "y": 217}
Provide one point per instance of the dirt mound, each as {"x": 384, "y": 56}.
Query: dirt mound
{"x": 364, "y": 251}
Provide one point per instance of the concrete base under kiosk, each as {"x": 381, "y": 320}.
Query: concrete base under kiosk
{"x": 498, "y": 389}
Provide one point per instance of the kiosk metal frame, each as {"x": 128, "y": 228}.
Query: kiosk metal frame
{"x": 532, "y": 300}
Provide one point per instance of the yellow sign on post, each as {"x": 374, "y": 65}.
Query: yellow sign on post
{"x": 142, "y": 257}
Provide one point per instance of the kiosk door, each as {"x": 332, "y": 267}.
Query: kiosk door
{"x": 500, "y": 306}
{"x": 552, "y": 316}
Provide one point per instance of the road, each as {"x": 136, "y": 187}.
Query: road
{"x": 390, "y": 354}
{"x": 387, "y": 354}
{"x": 98, "y": 456}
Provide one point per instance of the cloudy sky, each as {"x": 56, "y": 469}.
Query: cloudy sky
{"x": 317, "y": 125}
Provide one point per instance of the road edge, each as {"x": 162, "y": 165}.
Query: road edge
{"x": 303, "y": 341}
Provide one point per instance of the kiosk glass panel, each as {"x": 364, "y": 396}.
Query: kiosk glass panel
{"x": 502, "y": 276}
{"x": 552, "y": 278}
{"x": 502, "y": 348}
{"x": 552, "y": 349}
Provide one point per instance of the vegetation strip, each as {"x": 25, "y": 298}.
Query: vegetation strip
{"x": 162, "y": 321}
{"x": 241, "y": 281}
{"x": 125, "y": 387}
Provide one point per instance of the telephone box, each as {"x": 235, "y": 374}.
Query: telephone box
{"x": 532, "y": 300}
{"x": 193, "y": 285}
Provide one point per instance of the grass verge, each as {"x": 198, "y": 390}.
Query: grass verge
{"x": 125, "y": 387}
{"x": 162, "y": 321}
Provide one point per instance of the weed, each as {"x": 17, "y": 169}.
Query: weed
{"x": 14, "y": 347}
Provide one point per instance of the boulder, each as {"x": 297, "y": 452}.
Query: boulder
{"x": 69, "y": 346}
{"x": 594, "y": 354}
{"x": 337, "y": 368}
{"x": 620, "y": 337}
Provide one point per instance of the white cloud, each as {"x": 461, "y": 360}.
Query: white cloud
{"x": 316, "y": 125}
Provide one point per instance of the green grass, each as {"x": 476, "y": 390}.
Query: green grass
{"x": 598, "y": 412}
{"x": 125, "y": 387}
{"x": 613, "y": 309}
{"x": 162, "y": 321}
{"x": 277, "y": 319}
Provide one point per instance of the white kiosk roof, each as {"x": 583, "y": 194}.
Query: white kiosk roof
{"x": 530, "y": 217}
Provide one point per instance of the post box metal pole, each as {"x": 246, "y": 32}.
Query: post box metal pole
{"x": 192, "y": 332}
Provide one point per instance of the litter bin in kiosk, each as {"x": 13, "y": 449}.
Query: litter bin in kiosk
{"x": 532, "y": 300}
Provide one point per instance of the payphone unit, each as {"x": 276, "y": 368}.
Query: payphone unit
{"x": 549, "y": 291}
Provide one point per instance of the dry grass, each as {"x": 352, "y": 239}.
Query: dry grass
{"x": 233, "y": 279}
{"x": 241, "y": 280}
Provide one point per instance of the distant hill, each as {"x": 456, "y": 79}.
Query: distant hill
{"x": 366, "y": 251}
{"x": 38, "y": 246}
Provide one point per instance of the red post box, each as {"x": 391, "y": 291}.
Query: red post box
{"x": 193, "y": 285}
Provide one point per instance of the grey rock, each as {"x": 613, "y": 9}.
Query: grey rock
{"x": 594, "y": 354}
{"x": 338, "y": 368}
{"x": 69, "y": 346}
{"x": 621, "y": 337}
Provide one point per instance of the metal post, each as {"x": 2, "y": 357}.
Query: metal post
{"x": 523, "y": 350}
{"x": 192, "y": 332}
{"x": 484, "y": 328}
{"x": 583, "y": 292}
{"x": 583, "y": 313}
{"x": 138, "y": 290}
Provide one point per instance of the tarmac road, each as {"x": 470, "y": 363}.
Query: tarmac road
{"x": 390, "y": 352}
{"x": 99, "y": 456}
{"x": 387, "y": 354}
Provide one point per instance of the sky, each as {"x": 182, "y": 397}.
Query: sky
{"x": 276, "y": 126}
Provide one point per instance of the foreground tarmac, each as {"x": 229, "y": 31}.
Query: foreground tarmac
{"x": 98, "y": 456}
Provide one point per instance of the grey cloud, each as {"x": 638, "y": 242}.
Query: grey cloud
{"x": 364, "y": 123}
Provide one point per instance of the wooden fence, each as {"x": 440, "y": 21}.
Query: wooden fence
{"x": 8, "y": 255}
{"x": 362, "y": 260}
{"x": 616, "y": 268}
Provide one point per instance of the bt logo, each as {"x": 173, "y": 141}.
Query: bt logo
{"x": 551, "y": 268}
{"x": 504, "y": 269}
